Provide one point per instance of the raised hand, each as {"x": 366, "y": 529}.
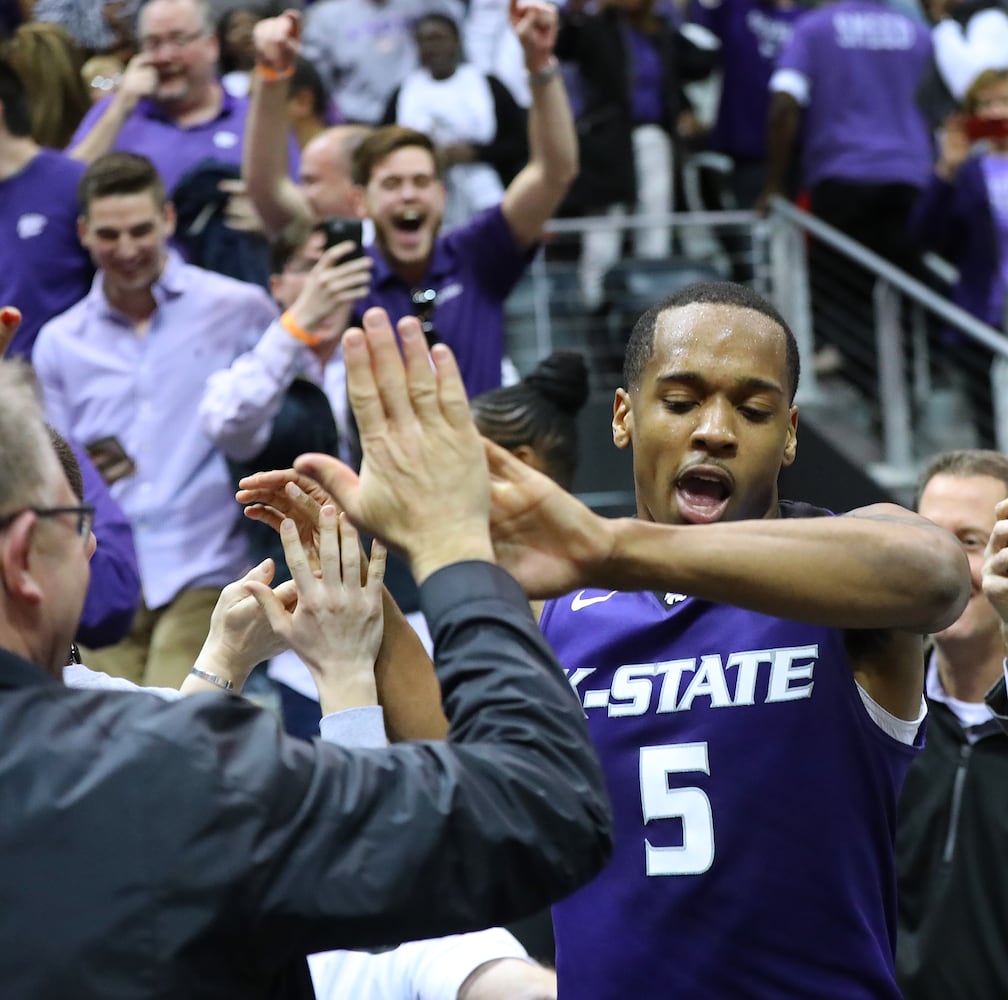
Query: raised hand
{"x": 535, "y": 24}
{"x": 276, "y": 41}
{"x": 546, "y": 539}
{"x": 995, "y": 570}
{"x": 423, "y": 486}
{"x": 330, "y": 289}
{"x": 954, "y": 148}
{"x": 240, "y": 635}
{"x": 336, "y": 626}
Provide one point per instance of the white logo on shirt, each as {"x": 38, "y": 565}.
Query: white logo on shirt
{"x": 225, "y": 140}
{"x": 580, "y": 602}
{"x": 31, "y": 225}
{"x": 672, "y": 599}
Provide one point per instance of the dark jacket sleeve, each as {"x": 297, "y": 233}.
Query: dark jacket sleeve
{"x": 935, "y": 220}
{"x": 997, "y": 702}
{"x": 300, "y": 848}
{"x": 114, "y": 594}
{"x": 389, "y": 115}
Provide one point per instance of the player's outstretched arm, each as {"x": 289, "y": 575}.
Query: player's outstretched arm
{"x": 881, "y": 567}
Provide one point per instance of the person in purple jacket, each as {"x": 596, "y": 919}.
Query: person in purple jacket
{"x": 962, "y": 214}
{"x": 751, "y": 671}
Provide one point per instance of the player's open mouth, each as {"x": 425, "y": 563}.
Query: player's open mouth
{"x": 408, "y": 222}
{"x": 703, "y": 493}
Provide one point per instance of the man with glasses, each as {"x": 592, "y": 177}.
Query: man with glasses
{"x": 187, "y": 844}
{"x": 171, "y": 106}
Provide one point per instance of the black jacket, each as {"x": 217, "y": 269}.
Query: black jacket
{"x": 953, "y": 883}
{"x": 189, "y": 849}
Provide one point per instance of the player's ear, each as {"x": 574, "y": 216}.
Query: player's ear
{"x": 622, "y": 419}
{"x": 791, "y": 444}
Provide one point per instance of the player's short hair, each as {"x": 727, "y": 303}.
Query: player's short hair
{"x": 119, "y": 174}
{"x": 68, "y": 460}
{"x": 640, "y": 346}
{"x": 382, "y": 143}
{"x": 964, "y": 462}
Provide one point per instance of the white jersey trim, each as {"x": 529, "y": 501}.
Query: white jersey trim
{"x": 790, "y": 81}
{"x": 901, "y": 730}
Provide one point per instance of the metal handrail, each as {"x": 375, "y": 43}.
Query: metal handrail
{"x": 989, "y": 336}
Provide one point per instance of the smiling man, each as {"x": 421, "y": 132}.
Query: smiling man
{"x": 171, "y": 106}
{"x": 122, "y": 373}
{"x": 751, "y": 670}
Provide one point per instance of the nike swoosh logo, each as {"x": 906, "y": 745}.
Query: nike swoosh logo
{"x": 580, "y": 602}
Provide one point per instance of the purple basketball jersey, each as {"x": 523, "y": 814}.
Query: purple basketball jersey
{"x": 754, "y": 804}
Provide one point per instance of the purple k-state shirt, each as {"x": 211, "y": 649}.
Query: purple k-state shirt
{"x": 854, "y": 67}
{"x": 43, "y": 268}
{"x": 752, "y": 34}
{"x": 754, "y": 802}
{"x": 473, "y": 269}
{"x": 174, "y": 150}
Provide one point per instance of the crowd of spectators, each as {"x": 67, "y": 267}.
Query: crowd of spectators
{"x": 198, "y": 198}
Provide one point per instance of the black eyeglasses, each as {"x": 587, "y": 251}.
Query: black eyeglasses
{"x": 85, "y": 516}
{"x": 424, "y": 303}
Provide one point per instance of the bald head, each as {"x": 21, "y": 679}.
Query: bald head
{"x": 325, "y": 171}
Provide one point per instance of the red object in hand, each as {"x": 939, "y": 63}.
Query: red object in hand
{"x": 978, "y": 128}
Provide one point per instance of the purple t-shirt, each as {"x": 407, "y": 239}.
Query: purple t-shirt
{"x": 472, "y": 270}
{"x": 995, "y": 171}
{"x": 43, "y": 268}
{"x": 752, "y": 34}
{"x": 174, "y": 150}
{"x": 754, "y": 805}
{"x": 860, "y": 63}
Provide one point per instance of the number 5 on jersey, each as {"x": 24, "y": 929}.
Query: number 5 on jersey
{"x": 691, "y": 805}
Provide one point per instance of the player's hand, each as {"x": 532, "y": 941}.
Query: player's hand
{"x": 336, "y": 627}
{"x": 423, "y": 486}
{"x": 240, "y": 634}
{"x": 995, "y": 569}
{"x": 535, "y": 23}
{"x": 277, "y": 41}
{"x": 10, "y": 321}
{"x": 546, "y": 539}
{"x": 330, "y": 290}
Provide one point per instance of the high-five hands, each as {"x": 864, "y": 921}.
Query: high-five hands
{"x": 423, "y": 487}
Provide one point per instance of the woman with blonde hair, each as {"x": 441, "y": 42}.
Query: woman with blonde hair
{"x": 49, "y": 62}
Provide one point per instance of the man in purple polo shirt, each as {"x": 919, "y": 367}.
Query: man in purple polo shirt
{"x": 38, "y": 221}
{"x": 457, "y": 282}
{"x": 172, "y": 108}
{"x": 123, "y": 372}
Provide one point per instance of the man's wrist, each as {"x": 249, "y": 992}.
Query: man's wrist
{"x": 541, "y": 74}
{"x": 426, "y": 562}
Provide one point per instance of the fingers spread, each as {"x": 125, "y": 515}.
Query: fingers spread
{"x": 420, "y": 377}
{"x": 339, "y": 480}
{"x": 450, "y": 388}
{"x": 388, "y": 370}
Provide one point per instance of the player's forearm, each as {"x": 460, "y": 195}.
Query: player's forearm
{"x": 265, "y": 164}
{"x": 552, "y": 139}
{"x": 888, "y": 570}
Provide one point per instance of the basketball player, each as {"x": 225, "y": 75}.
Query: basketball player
{"x": 751, "y": 672}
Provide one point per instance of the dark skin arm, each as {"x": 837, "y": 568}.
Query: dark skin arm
{"x": 783, "y": 121}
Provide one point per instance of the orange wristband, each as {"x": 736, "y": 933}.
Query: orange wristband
{"x": 271, "y": 75}
{"x": 298, "y": 332}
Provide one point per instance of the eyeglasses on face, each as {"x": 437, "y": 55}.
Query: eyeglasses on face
{"x": 424, "y": 302}
{"x": 84, "y": 513}
{"x": 176, "y": 41}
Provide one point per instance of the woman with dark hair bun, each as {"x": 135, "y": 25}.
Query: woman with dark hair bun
{"x": 536, "y": 419}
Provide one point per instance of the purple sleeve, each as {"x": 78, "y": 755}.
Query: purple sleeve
{"x": 88, "y": 122}
{"x": 493, "y": 254}
{"x": 114, "y": 594}
{"x": 796, "y": 54}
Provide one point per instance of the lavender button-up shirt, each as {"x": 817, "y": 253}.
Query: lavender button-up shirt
{"x": 100, "y": 377}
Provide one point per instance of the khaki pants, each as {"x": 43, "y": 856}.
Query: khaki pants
{"x": 162, "y": 645}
